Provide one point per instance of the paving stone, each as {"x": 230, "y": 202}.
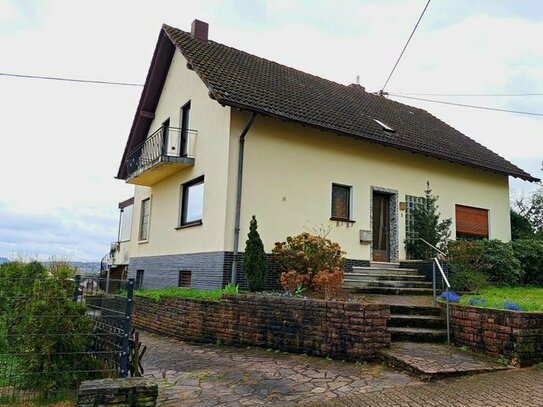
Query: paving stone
{"x": 434, "y": 361}
{"x": 206, "y": 375}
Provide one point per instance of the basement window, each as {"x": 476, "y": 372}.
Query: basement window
{"x": 384, "y": 126}
{"x": 185, "y": 279}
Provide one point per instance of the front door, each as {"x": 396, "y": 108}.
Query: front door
{"x": 381, "y": 227}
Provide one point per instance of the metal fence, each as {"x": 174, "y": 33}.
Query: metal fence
{"x": 56, "y": 332}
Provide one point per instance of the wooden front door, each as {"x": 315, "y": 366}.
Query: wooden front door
{"x": 381, "y": 227}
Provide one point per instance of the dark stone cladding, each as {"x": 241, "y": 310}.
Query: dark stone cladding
{"x": 163, "y": 271}
{"x": 350, "y": 263}
{"x": 210, "y": 270}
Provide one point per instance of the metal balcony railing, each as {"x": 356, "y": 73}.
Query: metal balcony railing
{"x": 165, "y": 144}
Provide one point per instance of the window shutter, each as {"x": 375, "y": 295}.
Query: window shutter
{"x": 471, "y": 221}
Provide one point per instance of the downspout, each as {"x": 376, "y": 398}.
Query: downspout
{"x": 248, "y": 125}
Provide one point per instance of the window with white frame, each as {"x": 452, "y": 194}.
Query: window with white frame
{"x": 192, "y": 202}
{"x": 144, "y": 219}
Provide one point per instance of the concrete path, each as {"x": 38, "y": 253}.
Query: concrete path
{"x": 209, "y": 375}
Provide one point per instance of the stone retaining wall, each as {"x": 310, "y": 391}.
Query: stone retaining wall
{"x": 517, "y": 336}
{"x": 325, "y": 328}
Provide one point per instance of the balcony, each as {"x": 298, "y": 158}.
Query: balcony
{"x": 165, "y": 152}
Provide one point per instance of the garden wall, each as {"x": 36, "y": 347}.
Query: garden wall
{"x": 325, "y": 328}
{"x": 517, "y": 336}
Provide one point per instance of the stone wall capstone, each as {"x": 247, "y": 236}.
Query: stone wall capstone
{"x": 129, "y": 392}
{"x": 340, "y": 330}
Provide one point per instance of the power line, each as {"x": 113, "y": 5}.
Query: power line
{"x": 56, "y": 78}
{"x": 405, "y": 46}
{"x": 468, "y": 94}
{"x": 465, "y": 105}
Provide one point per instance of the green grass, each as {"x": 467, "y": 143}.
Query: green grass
{"x": 192, "y": 293}
{"x": 528, "y": 298}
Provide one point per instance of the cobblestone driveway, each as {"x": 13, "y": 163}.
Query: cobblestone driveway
{"x": 511, "y": 388}
{"x": 208, "y": 375}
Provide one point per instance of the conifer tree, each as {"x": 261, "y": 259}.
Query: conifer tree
{"x": 428, "y": 226}
{"x": 255, "y": 262}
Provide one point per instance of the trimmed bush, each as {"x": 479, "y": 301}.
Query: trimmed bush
{"x": 493, "y": 258}
{"x": 302, "y": 257}
{"x": 468, "y": 280}
{"x": 530, "y": 255}
{"x": 255, "y": 262}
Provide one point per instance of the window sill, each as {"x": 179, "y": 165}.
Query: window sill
{"x": 143, "y": 241}
{"x": 189, "y": 225}
{"x": 342, "y": 220}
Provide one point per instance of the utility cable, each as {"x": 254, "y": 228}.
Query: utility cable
{"x": 466, "y": 105}
{"x": 468, "y": 94}
{"x": 56, "y": 78}
{"x": 405, "y": 46}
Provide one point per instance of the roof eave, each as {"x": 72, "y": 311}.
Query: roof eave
{"x": 156, "y": 76}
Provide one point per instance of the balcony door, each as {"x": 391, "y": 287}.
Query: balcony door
{"x": 185, "y": 127}
{"x": 381, "y": 227}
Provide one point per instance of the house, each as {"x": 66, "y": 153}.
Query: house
{"x": 220, "y": 135}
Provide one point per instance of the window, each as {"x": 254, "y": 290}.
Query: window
{"x": 411, "y": 203}
{"x": 125, "y": 223}
{"x": 185, "y": 279}
{"x": 471, "y": 223}
{"x": 192, "y": 203}
{"x": 185, "y": 127}
{"x": 341, "y": 202}
{"x": 144, "y": 218}
{"x": 138, "y": 284}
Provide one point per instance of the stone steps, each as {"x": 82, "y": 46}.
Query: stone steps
{"x": 391, "y": 290}
{"x": 383, "y": 272}
{"x": 383, "y": 277}
{"x": 385, "y": 284}
{"x": 416, "y": 321}
{"x": 397, "y": 309}
{"x": 402, "y": 334}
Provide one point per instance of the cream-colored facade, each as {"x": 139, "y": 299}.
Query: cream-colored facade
{"x": 288, "y": 175}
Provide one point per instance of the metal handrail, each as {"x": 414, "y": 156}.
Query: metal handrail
{"x": 431, "y": 245}
{"x": 154, "y": 147}
{"x": 434, "y": 285}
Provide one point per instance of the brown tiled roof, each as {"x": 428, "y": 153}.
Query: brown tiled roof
{"x": 239, "y": 79}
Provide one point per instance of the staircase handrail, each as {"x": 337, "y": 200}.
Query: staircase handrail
{"x": 435, "y": 263}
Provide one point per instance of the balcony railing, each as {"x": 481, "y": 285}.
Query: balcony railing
{"x": 166, "y": 145}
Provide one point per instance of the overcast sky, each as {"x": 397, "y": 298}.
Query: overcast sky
{"x": 61, "y": 142}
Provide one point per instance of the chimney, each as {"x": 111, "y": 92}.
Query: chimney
{"x": 357, "y": 86}
{"x": 199, "y": 30}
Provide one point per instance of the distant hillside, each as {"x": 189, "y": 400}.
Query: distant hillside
{"x": 3, "y": 260}
{"x": 83, "y": 266}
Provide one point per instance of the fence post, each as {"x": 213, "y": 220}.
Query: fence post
{"x": 126, "y": 328}
{"x": 77, "y": 279}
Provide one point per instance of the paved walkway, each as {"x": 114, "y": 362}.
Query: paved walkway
{"x": 208, "y": 375}
{"x": 509, "y": 388}
{"x": 435, "y": 361}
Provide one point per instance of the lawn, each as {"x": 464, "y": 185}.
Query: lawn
{"x": 187, "y": 293}
{"x": 527, "y": 298}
